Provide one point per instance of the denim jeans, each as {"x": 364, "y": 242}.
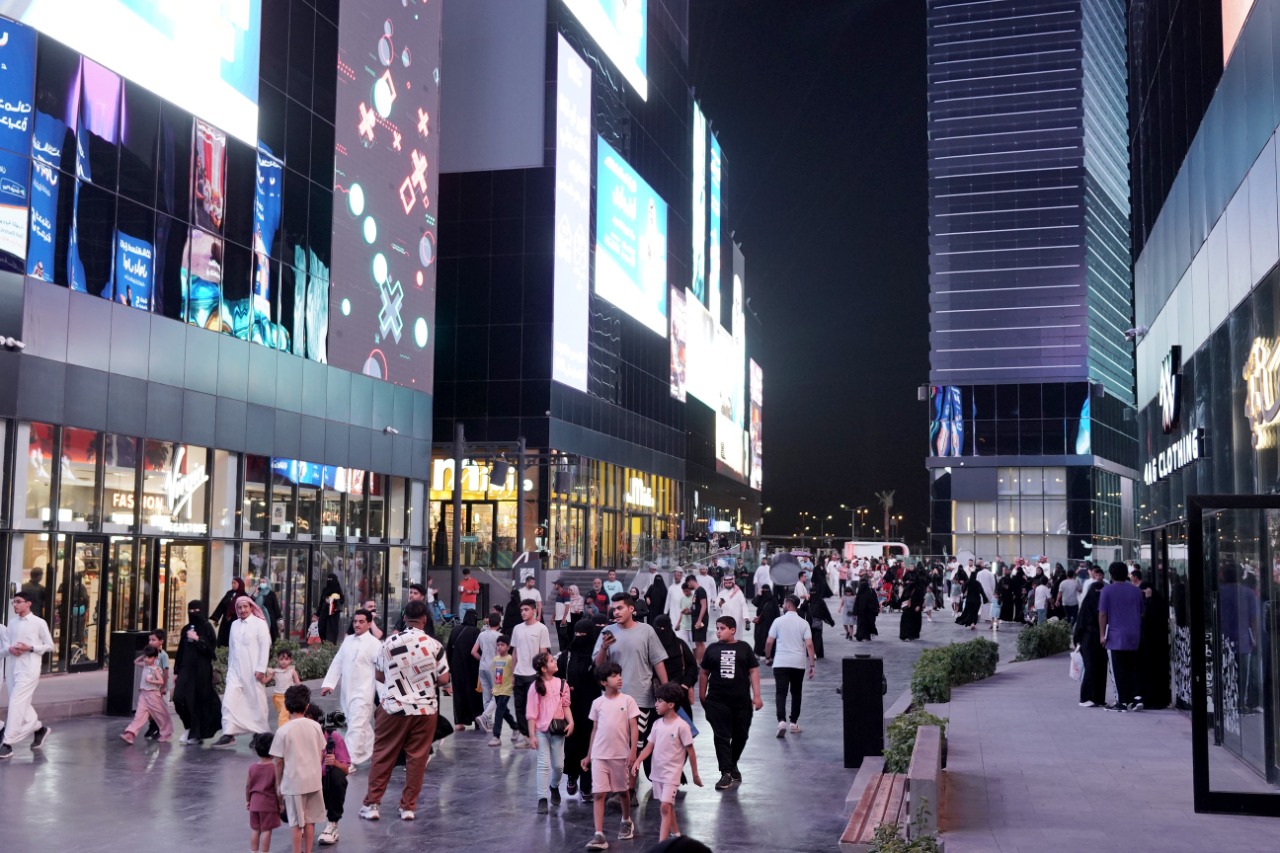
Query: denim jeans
{"x": 500, "y": 714}
{"x": 550, "y": 763}
{"x": 1042, "y": 615}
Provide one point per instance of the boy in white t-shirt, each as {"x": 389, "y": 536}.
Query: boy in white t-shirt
{"x": 613, "y": 749}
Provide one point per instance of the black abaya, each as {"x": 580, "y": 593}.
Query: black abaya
{"x": 194, "y": 697}
{"x": 766, "y": 613}
{"x": 330, "y": 612}
{"x": 656, "y": 597}
{"x": 1093, "y": 682}
{"x": 974, "y": 597}
{"x": 578, "y": 670}
{"x": 464, "y": 672}
{"x": 1007, "y": 592}
{"x": 818, "y": 614}
{"x": 1157, "y": 692}
{"x": 865, "y": 609}
{"x": 912, "y": 609}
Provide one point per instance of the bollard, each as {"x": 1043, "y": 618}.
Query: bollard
{"x": 863, "y": 694}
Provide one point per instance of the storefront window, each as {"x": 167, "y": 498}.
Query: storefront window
{"x": 398, "y": 580}
{"x": 175, "y": 488}
{"x": 330, "y": 512}
{"x": 395, "y": 508}
{"x": 182, "y": 568}
{"x": 353, "y": 520}
{"x": 78, "y": 491}
{"x": 119, "y": 482}
{"x": 32, "y": 569}
{"x": 33, "y": 476}
{"x": 308, "y": 511}
{"x": 226, "y": 476}
{"x": 375, "y": 501}
{"x": 283, "y": 510}
{"x": 257, "y": 470}
{"x": 417, "y": 513}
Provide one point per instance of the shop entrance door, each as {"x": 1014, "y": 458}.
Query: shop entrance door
{"x": 132, "y": 590}
{"x": 477, "y": 534}
{"x": 82, "y": 603}
{"x": 182, "y": 578}
{"x": 1234, "y": 541}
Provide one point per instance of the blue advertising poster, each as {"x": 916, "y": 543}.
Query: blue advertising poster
{"x": 699, "y": 282}
{"x": 631, "y": 241}
{"x": 573, "y": 219}
{"x": 135, "y": 269}
{"x": 713, "y": 225}
{"x": 620, "y": 27}
{"x": 17, "y": 85}
{"x": 42, "y": 251}
{"x": 15, "y": 182}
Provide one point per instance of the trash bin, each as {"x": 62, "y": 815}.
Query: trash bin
{"x": 123, "y": 677}
{"x": 863, "y": 692}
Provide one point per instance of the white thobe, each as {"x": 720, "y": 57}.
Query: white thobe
{"x": 733, "y": 603}
{"x": 763, "y": 576}
{"x": 22, "y": 674}
{"x": 352, "y": 673}
{"x": 244, "y": 700}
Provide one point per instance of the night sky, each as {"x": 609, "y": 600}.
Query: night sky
{"x": 820, "y": 108}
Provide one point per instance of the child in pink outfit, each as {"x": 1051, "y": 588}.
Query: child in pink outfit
{"x": 151, "y": 702}
{"x": 670, "y": 743}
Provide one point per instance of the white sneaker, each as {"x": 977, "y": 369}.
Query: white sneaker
{"x": 782, "y": 729}
{"x": 370, "y": 813}
{"x": 518, "y": 741}
{"x": 330, "y": 834}
{"x": 1088, "y": 703}
{"x": 795, "y": 728}
{"x": 185, "y": 739}
{"x": 496, "y": 741}
{"x": 406, "y": 814}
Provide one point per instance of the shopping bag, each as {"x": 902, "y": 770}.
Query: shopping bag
{"x": 1076, "y": 667}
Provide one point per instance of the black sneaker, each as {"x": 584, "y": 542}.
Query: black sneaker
{"x": 736, "y": 775}
{"x": 542, "y": 806}
{"x": 555, "y": 796}
{"x": 6, "y": 751}
{"x": 224, "y": 742}
{"x": 725, "y": 783}
{"x": 571, "y": 786}
{"x": 41, "y": 733}
{"x": 1118, "y": 708}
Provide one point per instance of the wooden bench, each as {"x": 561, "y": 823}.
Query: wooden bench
{"x": 924, "y": 782}
{"x": 883, "y": 801}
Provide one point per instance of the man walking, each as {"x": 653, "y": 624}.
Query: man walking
{"x": 612, "y": 586}
{"x": 730, "y": 601}
{"x": 528, "y": 638}
{"x": 1120, "y": 627}
{"x": 635, "y": 647}
{"x": 698, "y": 616}
{"x": 729, "y": 690}
{"x": 467, "y": 592}
{"x": 987, "y": 581}
{"x": 412, "y": 664}
{"x": 789, "y": 645}
{"x": 244, "y": 703}
{"x": 352, "y": 669}
{"x": 23, "y": 643}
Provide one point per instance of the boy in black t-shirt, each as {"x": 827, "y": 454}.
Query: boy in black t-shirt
{"x": 729, "y": 689}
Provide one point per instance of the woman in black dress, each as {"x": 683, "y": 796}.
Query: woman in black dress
{"x": 865, "y": 608}
{"x": 578, "y": 670}
{"x": 766, "y": 612}
{"x": 974, "y": 597}
{"x": 464, "y": 672}
{"x": 912, "y": 605}
{"x": 1157, "y": 692}
{"x": 329, "y": 610}
{"x": 194, "y": 697}
{"x": 656, "y": 598}
{"x": 225, "y": 613}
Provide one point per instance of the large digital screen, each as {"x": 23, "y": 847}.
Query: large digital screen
{"x": 946, "y": 421}
{"x": 631, "y": 241}
{"x": 731, "y": 448}
{"x": 679, "y": 344}
{"x": 382, "y": 302}
{"x": 755, "y": 432}
{"x": 573, "y": 219}
{"x": 620, "y": 27}
{"x": 713, "y": 225}
{"x": 199, "y": 54}
{"x": 700, "y": 353}
{"x": 17, "y": 86}
{"x": 699, "y": 219}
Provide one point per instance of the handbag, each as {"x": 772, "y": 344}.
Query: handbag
{"x": 559, "y": 726}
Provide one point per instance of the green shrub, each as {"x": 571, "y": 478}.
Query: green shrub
{"x": 1041, "y": 641}
{"x": 938, "y": 670}
{"x": 902, "y": 738}
{"x": 888, "y": 839}
{"x": 312, "y": 662}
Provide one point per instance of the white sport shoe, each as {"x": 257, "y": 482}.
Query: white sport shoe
{"x": 495, "y": 741}
{"x": 330, "y": 834}
{"x": 795, "y": 728}
{"x": 370, "y": 813}
{"x": 407, "y": 814}
{"x": 782, "y": 729}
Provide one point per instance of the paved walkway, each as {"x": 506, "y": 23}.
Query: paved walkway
{"x": 1030, "y": 770}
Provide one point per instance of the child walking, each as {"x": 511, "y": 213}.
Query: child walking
{"x": 612, "y": 751}
{"x": 503, "y": 688}
{"x": 297, "y": 749}
{"x": 846, "y": 609}
{"x": 285, "y": 675}
{"x": 157, "y": 639}
{"x": 151, "y": 704}
{"x": 550, "y": 720}
{"x": 313, "y": 631}
{"x": 670, "y": 741}
{"x": 260, "y": 796}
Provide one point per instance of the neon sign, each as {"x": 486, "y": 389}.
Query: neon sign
{"x": 1262, "y": 400}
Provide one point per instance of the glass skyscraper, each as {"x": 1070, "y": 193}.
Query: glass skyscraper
{"x": 1032, "y": 429}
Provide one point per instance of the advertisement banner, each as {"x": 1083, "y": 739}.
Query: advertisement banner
{"x": 631, "y": 241}
{"x": 573, "y": 219}
{"x": 134, "y": 270}
{"x": 713, "y": 243}
{"x": 15, "y": 182}
{"x": 17, "y": 86}
{"x": 679, "y": 338}
{"x": 620, "y": 27}
{"x": 756, "y": 430}
{"x": 699, "y": 218}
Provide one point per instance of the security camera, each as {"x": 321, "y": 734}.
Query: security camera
{"x": 1136, "y": 333}
{"x": 390, "y": 430}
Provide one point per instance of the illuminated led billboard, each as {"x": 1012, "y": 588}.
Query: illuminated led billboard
{"x": 699, "y": 174}
{"x": 713, "y": 225}
{"x": 1234, "y": 14}
{"x": 573, "y": 219}
{"x": 201, "y": 55}
{"x": 620, "y": 28}
{"x": 679, "y": 344}
{"x": 382, "y": 301}
{"x": 631, "y": 241}
{"x": 700, "y": 353}
{"x": 755, "y": 431}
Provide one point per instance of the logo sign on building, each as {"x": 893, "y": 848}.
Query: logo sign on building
{"x": 1262, "y": 399}
{"x": 638, "y": 494}
{"x": 1175, "y": 457}
{"x": 1171, "y": 389}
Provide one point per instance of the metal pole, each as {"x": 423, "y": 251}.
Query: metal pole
{"x": 459, "y": 443}
{"x": 521, "y": 549}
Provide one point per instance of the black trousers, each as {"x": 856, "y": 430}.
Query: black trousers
{"x": 1127, "y": 668}
{"x": 1093, "y": 682}
{"x": 520, "y": 697}
{"x": 792, "y": 679}
{"x": 730, "y": 726}
{"x": 334, "y": 786}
